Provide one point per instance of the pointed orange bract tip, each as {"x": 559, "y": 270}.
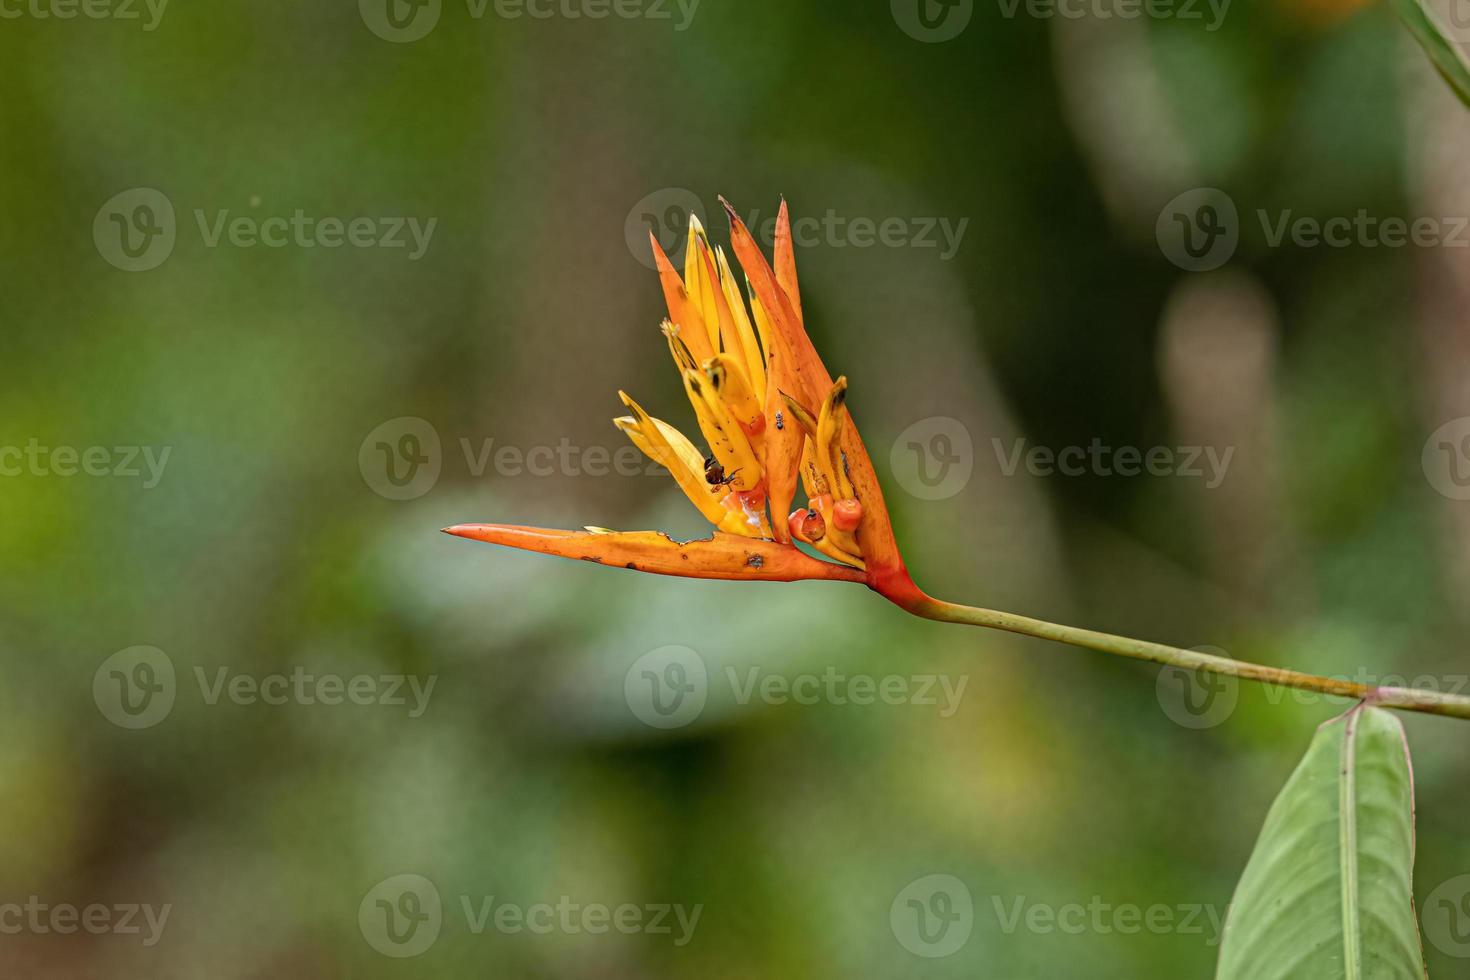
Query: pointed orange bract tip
{"x": 796, "y": 362}
{"x": 692, "y": 328}
{"x": 786, "y": 258}
{"x": 723, "y": 556}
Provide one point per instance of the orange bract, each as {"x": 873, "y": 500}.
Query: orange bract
{"x": 723, "y": 556}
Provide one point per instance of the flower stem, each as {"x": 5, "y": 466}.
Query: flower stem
{"x": 1405, "y": 699}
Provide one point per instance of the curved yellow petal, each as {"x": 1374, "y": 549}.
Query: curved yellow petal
{"x": 744, "y": 343}
{"x": 726, "y": 440}
{"x": 668, "y": 447}
{"x": 727, "y": 376}
{"x": 699, "y": 279}
{"x": 829, "y": 452}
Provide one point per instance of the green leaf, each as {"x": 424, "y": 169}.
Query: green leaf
{"x": 1327, "y": 893}
{"x": 1448, "y": 60}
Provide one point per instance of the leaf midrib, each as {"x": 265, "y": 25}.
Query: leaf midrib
{"x": 1347, "y": 842}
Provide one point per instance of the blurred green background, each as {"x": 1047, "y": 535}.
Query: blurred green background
{"x": 269, "y": 543}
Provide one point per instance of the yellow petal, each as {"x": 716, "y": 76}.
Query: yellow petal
{"x": 699, "y": 279}
{"x": 726, "y": 439}
{"x": 728, "y": 378}
{"x": 744, "y": 340}
{"x": 683, "y": 356}
{"x": 668, "y": 447}
{"x": 828, "y": 450}
{"x": 762, "y": 325}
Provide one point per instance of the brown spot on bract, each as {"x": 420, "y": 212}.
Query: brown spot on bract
{"x": 754, "y": 560}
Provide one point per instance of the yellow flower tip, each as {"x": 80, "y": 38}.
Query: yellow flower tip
{"x": 683, "y": 356}
{"x": 801, "y": 414}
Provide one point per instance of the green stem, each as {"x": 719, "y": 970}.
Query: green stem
{"x": 1405, "y": 699}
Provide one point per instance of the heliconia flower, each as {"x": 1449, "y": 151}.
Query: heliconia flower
{"x": 772, "y": 418}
